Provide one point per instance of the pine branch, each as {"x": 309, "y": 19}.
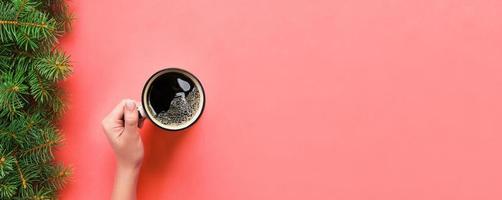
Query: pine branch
{"x": 30, "y": 99}
{"x": 58, "y": 176}
{"x": 21, "y": 8}
{"x": 21, "y": 175}
{"x": 7, "y": 190}
{"x": 40, "y": 88}
{"x": 47, "y": 145}
{"x": 41, "y": 151}
{"x": 32, "y": 28}
{"x": 12, "y": 99}
{"x": 6, "y": 162}
{"x": 54, "y": 66}
{"x": 18, "y": 23}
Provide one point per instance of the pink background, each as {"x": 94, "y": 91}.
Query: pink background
{"x": 306, "y": 99}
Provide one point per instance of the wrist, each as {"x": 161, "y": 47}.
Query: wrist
{"x": 126, "y": 179}
{"x": 128, "y": 169}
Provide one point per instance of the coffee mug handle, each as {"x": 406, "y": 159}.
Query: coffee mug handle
{"x": 141, "y": 114}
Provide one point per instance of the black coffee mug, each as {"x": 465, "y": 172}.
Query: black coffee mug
{"x": 173, "y": 99}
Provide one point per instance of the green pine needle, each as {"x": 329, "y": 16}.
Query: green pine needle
{"x": 30, "y": 99}
{"x": 13, "y": 89}
{"x": 55, "y": 66}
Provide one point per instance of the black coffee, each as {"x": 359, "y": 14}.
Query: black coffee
{"x": 174, "y": 98}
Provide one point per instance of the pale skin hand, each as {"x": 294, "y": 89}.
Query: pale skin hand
{"x": 121, "y": 128}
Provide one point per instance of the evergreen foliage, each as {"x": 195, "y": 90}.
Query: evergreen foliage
{"x": 30, "y": 97}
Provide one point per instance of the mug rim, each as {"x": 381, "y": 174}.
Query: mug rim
{"x": 144, "y": 103}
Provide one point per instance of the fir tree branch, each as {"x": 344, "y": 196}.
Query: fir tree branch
{"x": 30, "y": 99}
{"x": 21, "y": 7}
{"x": 5, "y": 162}
{"x": 41, "y": 146}
{"x": 2, "y": 161}
{"x": 43, "y": 89}
{"x": 59, "y": 176}
{"x": 21, "y": 175}
{"x": 54, "y": 66}
{"x": 7, "y": 190}
{"x": 15, "y": 22}
{"x": 39, "y": 88}
{"x": 12, "y": 90}
{"x": 30, "y": 125}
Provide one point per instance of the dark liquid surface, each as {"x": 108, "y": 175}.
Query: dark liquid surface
{"x": 166, "y": 87}
{"x": 174, "y": 99}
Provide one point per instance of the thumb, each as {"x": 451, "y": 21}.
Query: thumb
{"x": 130, "y": 116}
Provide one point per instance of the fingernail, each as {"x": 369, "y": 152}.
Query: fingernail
{"x": 130, "y": 105}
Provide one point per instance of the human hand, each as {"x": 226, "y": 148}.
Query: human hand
{"x": 121, "y": 128}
